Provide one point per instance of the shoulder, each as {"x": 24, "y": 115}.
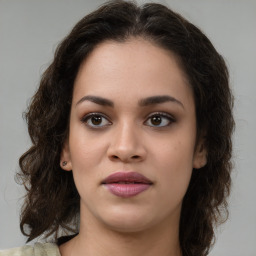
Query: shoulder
{"x": 39, "y": 249}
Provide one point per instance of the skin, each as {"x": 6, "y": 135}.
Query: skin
{"x": 128, "y": 139}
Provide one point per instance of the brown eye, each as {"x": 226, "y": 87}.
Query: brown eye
{"x": 95, "y": 120}
{"x": 156, "y": 120}
{"x": 159, "y": 120}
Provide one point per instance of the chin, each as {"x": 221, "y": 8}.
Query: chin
{"x": 128, "y": 227}
{"x": 127, "y": 221}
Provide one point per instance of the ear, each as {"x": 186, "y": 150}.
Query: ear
{"x": 65, "y": 159}
{"x": 200, "y": 155}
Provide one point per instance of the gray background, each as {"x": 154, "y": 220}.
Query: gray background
{"x": 30, "y": 31}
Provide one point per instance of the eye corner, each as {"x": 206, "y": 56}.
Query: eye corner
{"x": 102, "y": 121}
{"x": 164, "y": 120}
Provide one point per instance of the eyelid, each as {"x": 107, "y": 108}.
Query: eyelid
{"x": 162, "y": 114}
{"x": 91, "y": 114}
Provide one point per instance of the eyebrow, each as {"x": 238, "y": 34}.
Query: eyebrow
{"x": 158, "y": 100}
{"x": 153, "y": 100}
{"x": 97, "y": 100}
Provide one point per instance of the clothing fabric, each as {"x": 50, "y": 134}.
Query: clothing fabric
{"x": 39, "y": 249}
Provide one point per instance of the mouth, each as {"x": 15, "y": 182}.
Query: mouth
{"x": 127, "y": 184}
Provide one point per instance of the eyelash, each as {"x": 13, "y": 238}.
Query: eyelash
{"x": 169, "y": 117}
{"x": 86, "y": 118}
{"x": 90, "y": 115}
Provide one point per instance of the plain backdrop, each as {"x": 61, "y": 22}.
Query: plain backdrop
{"x": 29, "y": 33}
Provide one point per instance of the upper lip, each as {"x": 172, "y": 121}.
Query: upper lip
{"x": 126, "y": 177}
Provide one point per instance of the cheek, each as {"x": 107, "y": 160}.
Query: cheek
{"x": 175, "y": 152}
{"x": 86, "y": 154}
{"x": 85, "y": 160}
{"x": 174, "y": 165}
{"x": 85, "y": 149}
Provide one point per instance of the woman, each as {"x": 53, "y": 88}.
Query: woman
{"x": 131, "y": 139}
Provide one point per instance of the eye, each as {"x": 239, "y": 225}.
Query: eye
{"x": 159, "y": 120}
{"x": 95, "y": 120}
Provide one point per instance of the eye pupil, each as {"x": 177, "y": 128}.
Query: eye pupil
{"x": 96, "y": 120}
{"x": 156, "y": 120}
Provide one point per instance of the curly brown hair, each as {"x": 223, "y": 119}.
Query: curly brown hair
{"x": 52, "y": 201}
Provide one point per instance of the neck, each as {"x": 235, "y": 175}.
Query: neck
{"x": 96, "y": 240}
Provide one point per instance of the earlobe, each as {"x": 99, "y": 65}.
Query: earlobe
{"x": 65, "y": 160}
{"x": 200, "y": 156}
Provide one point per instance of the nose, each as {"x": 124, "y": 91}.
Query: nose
{"x": 126, "y": 145}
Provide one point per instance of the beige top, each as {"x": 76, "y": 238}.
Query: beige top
{"x": 39, "y": 249}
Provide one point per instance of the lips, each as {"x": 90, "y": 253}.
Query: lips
{"x": 126, "y": 184}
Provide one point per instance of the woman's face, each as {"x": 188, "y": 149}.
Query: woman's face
{"x": 132, "y": 114}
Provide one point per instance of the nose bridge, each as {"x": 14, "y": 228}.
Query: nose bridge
{"x": 125, "y": 137}
{"x": 126, "y": 143}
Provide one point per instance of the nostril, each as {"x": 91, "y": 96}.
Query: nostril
{"x": 115, "y": 157}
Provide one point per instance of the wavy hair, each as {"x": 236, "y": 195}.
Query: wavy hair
{"x": 52, "y": 201}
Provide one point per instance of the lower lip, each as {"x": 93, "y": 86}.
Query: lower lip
{"x": 127, "y": 190}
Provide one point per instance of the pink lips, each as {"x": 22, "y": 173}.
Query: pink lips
{"x": 127, "y": 184}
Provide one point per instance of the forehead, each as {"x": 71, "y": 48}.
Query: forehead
{"x": 135, "y": 67}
